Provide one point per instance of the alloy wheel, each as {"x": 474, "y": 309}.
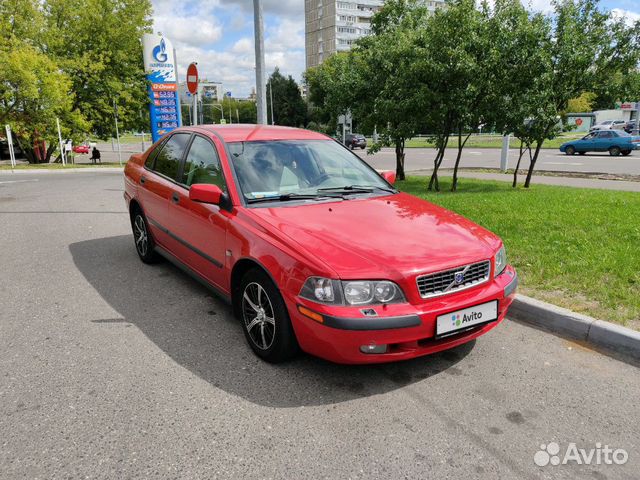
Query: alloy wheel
{"x": 258, "y": 316}
{"x": 141, "y": 235}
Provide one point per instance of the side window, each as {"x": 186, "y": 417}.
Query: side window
{"x": 202, "y": 165}
{"x": 168, "y": 160}
{"x": 152, "y": 156}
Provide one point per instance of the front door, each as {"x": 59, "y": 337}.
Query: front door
{"x": 201, "y": 228}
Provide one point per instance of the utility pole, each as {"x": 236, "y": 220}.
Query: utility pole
{"x": 261, "y": 94}
{"x": 271, "y": 99}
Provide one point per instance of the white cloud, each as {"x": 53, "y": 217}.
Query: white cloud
{"x": 243, "y": 46}
{"x": 189, "y": 30}
{"x": 630, "y": 17}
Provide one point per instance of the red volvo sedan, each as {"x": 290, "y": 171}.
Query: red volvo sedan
{"x": 312, "y": 247}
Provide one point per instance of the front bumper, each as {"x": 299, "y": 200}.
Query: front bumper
{"x": 408, "y": 330}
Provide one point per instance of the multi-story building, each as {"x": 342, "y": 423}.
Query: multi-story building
{"x": 334, "y": 25}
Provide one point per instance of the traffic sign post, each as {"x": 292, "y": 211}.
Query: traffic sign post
{"x": 192, "y": 86}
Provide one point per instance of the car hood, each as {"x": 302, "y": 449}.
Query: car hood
{"x": 395, "y": 235}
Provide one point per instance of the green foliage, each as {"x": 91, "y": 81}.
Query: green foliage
{"x": 97, "y": 43}
{"x": 289, "y": 108}
{"x": 70, "y": 59}
{"x": 467, "y": 66}
{"x": 582, "y": 103}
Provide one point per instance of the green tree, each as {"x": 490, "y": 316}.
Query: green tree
{"x": 331, "y": 86}
{"x": 288, "y": 108}
{"x": 32, "y": 95}
{"x": 383, "y": 94}
{"x": 585, "y": 49}
{"x": 97, "y": 44}
{"x": 34, "y": 91}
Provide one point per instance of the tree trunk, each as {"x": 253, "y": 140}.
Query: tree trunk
{"x": 527, "y": 182}
{"x": 515, "y": 172}
{"x": 461, "y": 144}
{"x": 400, "y": 159}
{"x": 433, "y": 182}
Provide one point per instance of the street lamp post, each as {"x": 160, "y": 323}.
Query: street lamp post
{"x": 258, "y": 26}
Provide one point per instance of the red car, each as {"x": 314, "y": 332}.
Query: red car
{"x": 312, "y": 247}
{"x": 81, "y": 149}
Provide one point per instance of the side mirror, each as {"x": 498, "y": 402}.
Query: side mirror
{"x": 205, "y": 193}
{"x": 389, "y": 176}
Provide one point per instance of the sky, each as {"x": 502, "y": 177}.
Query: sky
{"x": 218, "y": 34}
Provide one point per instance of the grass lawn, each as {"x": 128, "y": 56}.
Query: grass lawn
{"x": 493, "y": 141}
{"x": 58, "y": 166}
{"x": 576, "y": 248}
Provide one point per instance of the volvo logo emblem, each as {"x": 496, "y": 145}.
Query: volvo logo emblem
{"x": 459, "y": 278}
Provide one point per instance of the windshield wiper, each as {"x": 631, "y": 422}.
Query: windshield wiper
{"x": 358, "y": 189}
{"x": 291, "y": 196}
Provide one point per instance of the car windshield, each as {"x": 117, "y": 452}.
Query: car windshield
{"x": 294, "y": 169}
{"x": 622, "y": 133}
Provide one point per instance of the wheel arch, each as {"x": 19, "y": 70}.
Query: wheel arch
{"x": 240, "y": 268}
{"x": 134, "y": 206}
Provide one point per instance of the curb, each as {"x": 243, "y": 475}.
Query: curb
{"x": 576, "y": 326}
{"x": 49, "y": 171}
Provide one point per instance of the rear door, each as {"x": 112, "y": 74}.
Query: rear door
{"x": 604, "y": 140}
{"x": 157, "y": 184}
{"x": 201, "y": 228}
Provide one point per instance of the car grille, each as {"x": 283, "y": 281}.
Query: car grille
{"x": 442, "y": 283}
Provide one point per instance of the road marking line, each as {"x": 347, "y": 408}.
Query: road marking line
{"x": 562, "y": 163}
{"x": 20, "y": 181}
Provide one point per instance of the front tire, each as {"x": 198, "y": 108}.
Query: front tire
{"x": 626, "y": 152}
{"x": 570, "y": 150}
{"x": 145, "y": 246}
{"x": 614, "y": 151}
{"x": 265, "y": 319}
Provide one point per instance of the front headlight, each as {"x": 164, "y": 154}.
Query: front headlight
{"x": 323, "y": 290}
{"x": 501, "y": 261}
{"x": 355, "y": 292}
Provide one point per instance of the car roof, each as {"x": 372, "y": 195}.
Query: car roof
{"x": 255, "y": 133}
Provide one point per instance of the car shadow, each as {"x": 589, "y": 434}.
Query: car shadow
{"x": 197, "y": 330}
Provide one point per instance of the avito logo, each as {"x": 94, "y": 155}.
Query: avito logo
{"x": 472, "y": 316}
{"x": 160, "y": 52}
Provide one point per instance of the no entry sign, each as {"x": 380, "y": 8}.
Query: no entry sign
{"x": 192, "y": 78}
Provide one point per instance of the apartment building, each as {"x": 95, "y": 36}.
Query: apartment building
{"x": 334, "y": 25}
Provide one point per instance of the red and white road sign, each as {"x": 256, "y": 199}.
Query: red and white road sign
{"x": 192, "y": 78}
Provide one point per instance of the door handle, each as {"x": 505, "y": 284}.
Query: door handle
{"x": 175, "y": 198}
{"x": 142, "y": 180}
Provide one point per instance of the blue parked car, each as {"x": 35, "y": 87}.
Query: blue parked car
{"x": 615, "y": 142}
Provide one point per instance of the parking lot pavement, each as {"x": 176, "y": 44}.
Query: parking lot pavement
{"x": 114, "y": 369}
{"x": 549, "y": 159}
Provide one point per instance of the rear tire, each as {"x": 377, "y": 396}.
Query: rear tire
{"x": 570, "y": 150}
{"x": 626, "y": 152}
{"x": 614, "y": 151}
{"x": 265, "y": 319}
{"x": 582, "y": 153}
{"x": 145, "y": 246}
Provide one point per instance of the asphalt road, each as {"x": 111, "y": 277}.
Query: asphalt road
{"x": 551, "y": 160}
{"x": 114, "y": 369}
